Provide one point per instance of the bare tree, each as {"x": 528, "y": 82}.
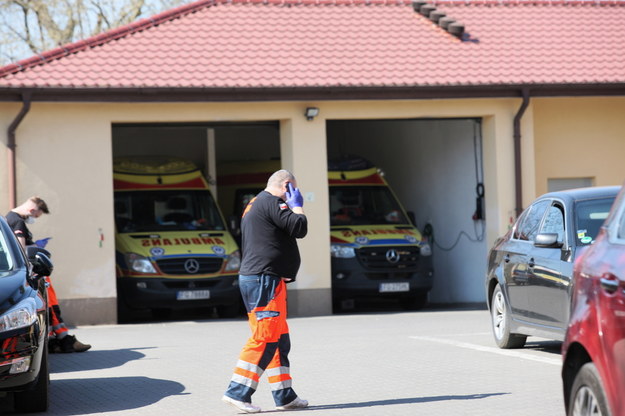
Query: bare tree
{"x": 29, "y": 27}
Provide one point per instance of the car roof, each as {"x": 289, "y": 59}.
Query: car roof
{"x": 578, "y": 194}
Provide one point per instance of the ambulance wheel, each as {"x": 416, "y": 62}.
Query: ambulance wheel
{"x": 341, "y": 305}
{"x": 414, "y": 303}
{"x": 161, "y": 313}
{"x": 35, "y": 399}
{"x": 124, "y": 313}
{"x": 229, "y": 311}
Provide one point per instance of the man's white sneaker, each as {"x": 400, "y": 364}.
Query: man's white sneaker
{"x": 295, "y": 404}
{"x": 242, "y": 406}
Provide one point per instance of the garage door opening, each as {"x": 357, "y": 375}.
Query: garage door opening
{"x": 175, "y": 249}
{"x": 435, "y": 168}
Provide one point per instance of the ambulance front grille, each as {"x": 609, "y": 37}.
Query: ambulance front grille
{"x": 399, "y": 257}
{"x": 203, "y": 265}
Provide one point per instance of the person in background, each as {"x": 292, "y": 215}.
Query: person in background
{"x": 271, "y": 223}
{"x": 60, "y": 340}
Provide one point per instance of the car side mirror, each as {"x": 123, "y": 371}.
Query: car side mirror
{"x": 42, "y": 265}
{"x": 547, "y": 240}
{"x": 40, "y": 259}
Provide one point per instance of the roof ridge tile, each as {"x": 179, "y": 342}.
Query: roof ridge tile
{"x": 588, "y": 3}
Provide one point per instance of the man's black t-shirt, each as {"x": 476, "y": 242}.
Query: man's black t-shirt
{"x": 269, "y": 229}
{"x": 17, "y": 224}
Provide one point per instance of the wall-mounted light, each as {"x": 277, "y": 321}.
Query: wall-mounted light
{"x": 311, "y": 113}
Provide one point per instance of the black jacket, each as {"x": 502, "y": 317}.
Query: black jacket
{"x": 269, "y": 229}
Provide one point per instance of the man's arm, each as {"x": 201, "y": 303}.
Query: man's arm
{"x": 22, "y": 240}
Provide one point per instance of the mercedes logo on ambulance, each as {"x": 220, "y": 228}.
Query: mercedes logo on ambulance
{"x": 192, "y": 266}
{"x": 392, "y": 256}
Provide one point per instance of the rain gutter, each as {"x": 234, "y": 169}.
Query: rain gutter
{"x": 518, "y": 181}
{"x": 26, "y": 98}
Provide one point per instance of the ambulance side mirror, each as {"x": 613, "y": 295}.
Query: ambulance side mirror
{"x": 412, "y": 218}
{"x": 234, "y": 225}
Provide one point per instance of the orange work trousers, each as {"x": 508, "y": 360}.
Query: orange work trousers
{"x": 268, "y": 347}
{"x": 56, "y": 324}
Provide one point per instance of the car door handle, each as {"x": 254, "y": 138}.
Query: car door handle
{"x": 609, "y": 283}
{"x": 531, "y": 263}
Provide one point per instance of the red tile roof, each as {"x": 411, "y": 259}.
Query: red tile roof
{"x": 342, "y": 43}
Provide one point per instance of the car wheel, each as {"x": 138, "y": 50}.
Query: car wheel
{"x": 35, "y": 399}
{"x": 587, "y": 395}
{"x": 500, "y": 321}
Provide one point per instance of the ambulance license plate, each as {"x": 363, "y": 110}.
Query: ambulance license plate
{"x": 395, "y": 287}
{"x": 193, "y": 294}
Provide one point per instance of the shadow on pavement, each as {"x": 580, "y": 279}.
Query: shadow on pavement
{"x": 553, "y": 347}
{"x": 99, "y": 395}
{"x": 93, "y": 360}
{"x": 411, "y": 400}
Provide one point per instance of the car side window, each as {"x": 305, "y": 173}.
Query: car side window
{"x": 554, "y": 221}
{"x": 530, "y": 221}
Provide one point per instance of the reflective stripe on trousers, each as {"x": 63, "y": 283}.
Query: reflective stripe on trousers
{"x": 268, "y": 348}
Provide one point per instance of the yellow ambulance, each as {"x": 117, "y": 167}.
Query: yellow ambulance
{"x": 173, "y": 249}
{"x": 376, "y": 250}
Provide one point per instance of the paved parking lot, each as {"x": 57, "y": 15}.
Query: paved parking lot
{"x": 433, "y": 362}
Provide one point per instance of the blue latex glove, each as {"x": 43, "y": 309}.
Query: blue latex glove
{"x": 294, "y": 197}
{"x": 43, "y": 242}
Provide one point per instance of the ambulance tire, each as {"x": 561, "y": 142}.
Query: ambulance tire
{"x": 414, "y": 303}
{"x": 124, "y": 313}
{"x": 229, "y": 311}
{"x": 35, "y": 399}
{"x": 161, "y": 313}
{"x": 342, "y": 304}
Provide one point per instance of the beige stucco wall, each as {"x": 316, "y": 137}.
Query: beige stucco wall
{"x": 579, "y": 137}
{"x": 64, "y": 155}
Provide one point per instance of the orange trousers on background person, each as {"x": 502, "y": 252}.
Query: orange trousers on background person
{"x": 268, "y": 348}
{"x": 57, "y": 326}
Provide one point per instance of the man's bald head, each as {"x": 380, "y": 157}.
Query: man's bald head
{"x": 277, "y": 183}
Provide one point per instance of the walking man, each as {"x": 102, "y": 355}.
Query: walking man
{"x": 271, "y": 223}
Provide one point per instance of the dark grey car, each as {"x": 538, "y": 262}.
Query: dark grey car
{"x": 530, "y": 269}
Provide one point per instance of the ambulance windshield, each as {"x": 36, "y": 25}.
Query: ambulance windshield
{"x": 364, "y": 205}
{"x": 166, "y": 211}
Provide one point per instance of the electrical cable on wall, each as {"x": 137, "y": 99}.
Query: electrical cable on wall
{"x": 478, "y": 215}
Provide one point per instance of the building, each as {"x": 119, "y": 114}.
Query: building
{"x": 518, "y": 95}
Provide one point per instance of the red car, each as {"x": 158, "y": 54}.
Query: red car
{"x": 593, "y": 351}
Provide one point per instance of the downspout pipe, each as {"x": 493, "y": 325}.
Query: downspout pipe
{"x": 26, "y": 98}
{"x": 518, "y": 180}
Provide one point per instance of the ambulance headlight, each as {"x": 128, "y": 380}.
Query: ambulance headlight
{"x": 425, "y": 250}
{"x": 341, "y": 251}
{"x": 233, "y": 262}
{"x": 139, "y": 263}
{"x": 21, "y": 315}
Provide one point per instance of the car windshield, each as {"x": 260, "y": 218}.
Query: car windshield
{"x": 6, "y": 261}
{"x": 590, "y": 215}
{"x": 166, "y": 211}
{"x": 364, "y": 205}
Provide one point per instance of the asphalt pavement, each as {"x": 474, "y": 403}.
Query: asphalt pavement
{"x": 432, "y": 362}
